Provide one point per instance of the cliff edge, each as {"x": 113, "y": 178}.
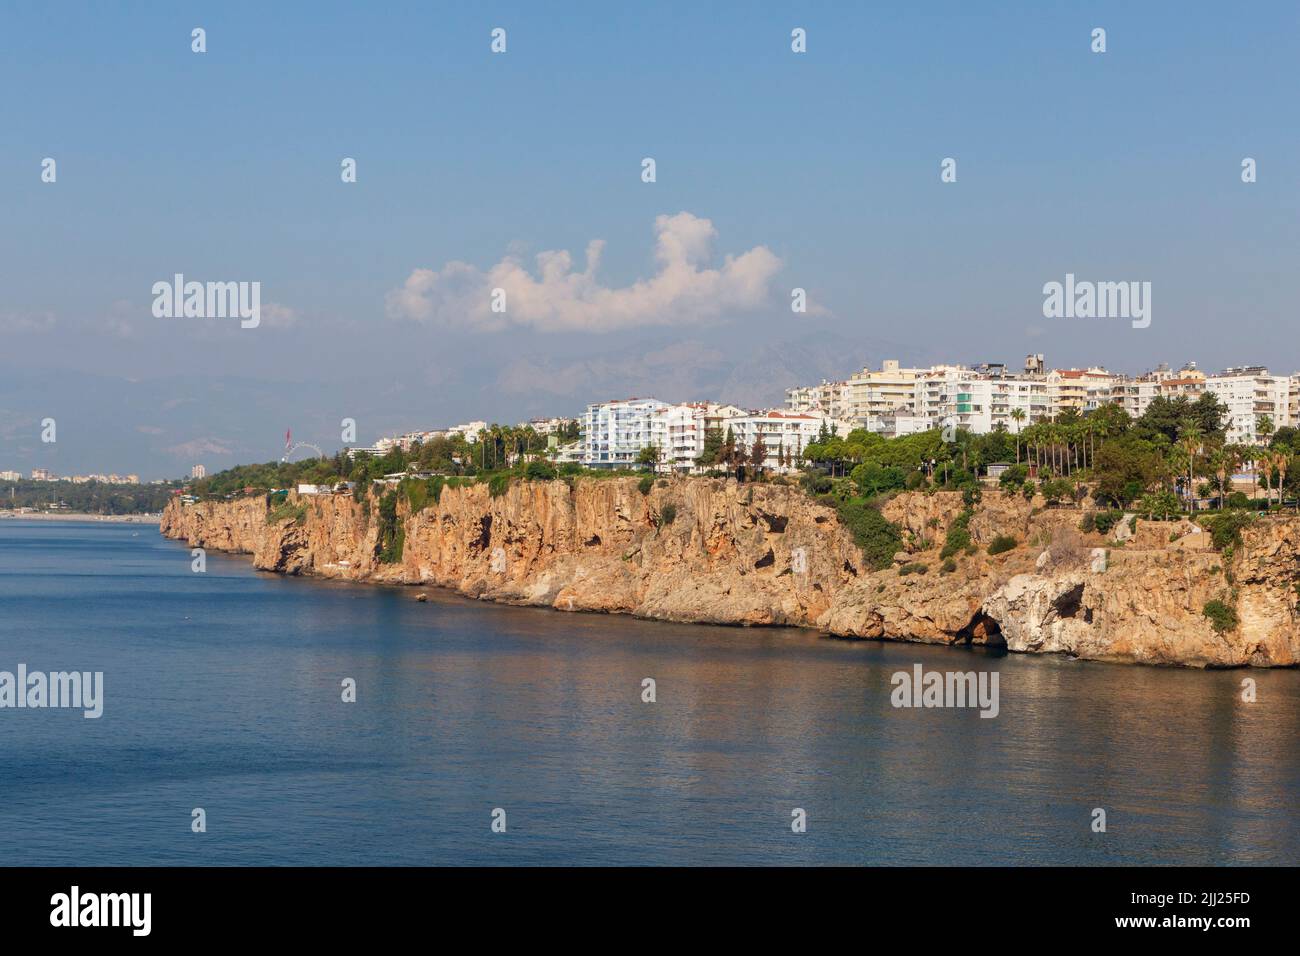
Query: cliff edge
{"x": 714, "y": 551}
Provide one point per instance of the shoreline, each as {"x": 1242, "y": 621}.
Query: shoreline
{"x": 753, "y": 556}
{"x": 80, "y": 517}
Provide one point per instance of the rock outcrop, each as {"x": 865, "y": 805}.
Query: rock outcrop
{"x": 713, "y": 551}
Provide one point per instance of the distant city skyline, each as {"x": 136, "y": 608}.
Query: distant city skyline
{"x": 775, "y": 173}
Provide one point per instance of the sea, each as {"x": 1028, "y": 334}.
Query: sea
{"x": 253, "y": 718}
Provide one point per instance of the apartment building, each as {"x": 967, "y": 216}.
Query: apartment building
{"x": 971, "y": 400}
{"x": 784, "y": 434}
{"x": 1077, "y": 389}
{"x": 872, "y": 395}
{"x": 614, "y": 432}
{"x": 829, "y": 398}
{"x": 1249, "y": 393}
{"x": 678, "y": 431}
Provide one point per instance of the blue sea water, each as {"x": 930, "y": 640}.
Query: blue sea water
{"x": 223, "y": 691}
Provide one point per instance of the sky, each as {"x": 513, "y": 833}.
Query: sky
{"x": 523, "y": 171}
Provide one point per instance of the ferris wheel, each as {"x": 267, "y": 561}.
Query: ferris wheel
{"x": 299, "y": 446}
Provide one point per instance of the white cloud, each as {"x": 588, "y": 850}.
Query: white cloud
{"x": 558, "y": 299}
{"x": 26, "y": 321}
{"x": 279, "y": 316}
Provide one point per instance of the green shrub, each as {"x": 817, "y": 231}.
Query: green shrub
{"x": 1003, "y": 542}
{"x": 646, "y": 484}
{"x": 1105, "y": 520}
{"x": 417, "y": 493}
{"x": 1225, "y": 528}
{"x": 1088, "y": 523}
{"x": 877, "y": 538}
{"x": 1223, "y": 617}
{"x": 498, "y": 485}
{"x": 948, "y": 566}
{"x": 667, "y": 514}
{"x": 392, "y": 537}
{"x": 958, "y": 537}
{"x": 286, "y": 511}
{"x": 1014, "y": 477}
{"x": 539, "y": 471}
{"x": 914, "y": 567}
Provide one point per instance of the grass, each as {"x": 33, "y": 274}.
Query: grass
{"x": 286, "y": 511}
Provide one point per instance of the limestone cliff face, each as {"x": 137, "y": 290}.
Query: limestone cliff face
{"x": 763, "y": 554}
{"x": 733, "y": 554}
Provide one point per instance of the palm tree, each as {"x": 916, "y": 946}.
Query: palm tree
{"x": 1017, "y": 416}
{"x": 1190, "y": 438}
{"x": 1250, "y": 456}
{"x": 1264, "y": 427}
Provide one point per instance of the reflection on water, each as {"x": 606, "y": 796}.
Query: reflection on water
{"x": 223, "y": 691}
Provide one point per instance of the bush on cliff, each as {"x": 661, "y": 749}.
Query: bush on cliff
{"x": 539, "y": 471}
{"x": 498, "y": 485}
{"x": 958, "y": 538}
{"x": 1003, "y": 542}
{"x": 392, "y": 537}
{"x": 1223, "y": 618}
{"x": 287, "y": 511}
{"x": 1225, "y": 528}
{"x": 667, "y": 514}
{"x": 1014, "y": 477}
{"x": 646, "y": 484}
{"x": 1103, "y": 521}
{"x": 878, "y": 539}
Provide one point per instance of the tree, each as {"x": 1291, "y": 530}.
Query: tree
{"x": 1190, "y": 438}
{"x": 758, "y": 454}
{"x": 1264, "y": 427}
{"x": 1018, "y": 416}
{"x": 712, "y": 452}
{"x": 650, "y": 456}
{"x": 729, "y": 450}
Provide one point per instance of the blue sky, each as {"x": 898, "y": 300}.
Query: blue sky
{"x": 225, "y": 165}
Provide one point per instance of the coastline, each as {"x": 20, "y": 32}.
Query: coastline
{"x": 747, "y": 555}
{"x": 81, "y": 517}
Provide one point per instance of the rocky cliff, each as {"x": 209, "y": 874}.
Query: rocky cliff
{"x": 712, "y": 551}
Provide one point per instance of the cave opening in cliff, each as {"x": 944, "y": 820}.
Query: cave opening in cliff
{"x": 982, "y": 629}
{"x": 1069, "y": 603}
{"x": 484, "y": 538}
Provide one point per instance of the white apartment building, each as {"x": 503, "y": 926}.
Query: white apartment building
{"x": 1250, "y": 393}
{"x": 613, "y": 433}
{"x": 785, "y": 434}
{"x": 1077, "y": 389}
{"x": 966, "y": 399}
{"x": 678, "y": 431}
{"x": 546, "y": 426}
{"x": 829, "y": 398}
{"x": 872, "y": 395}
